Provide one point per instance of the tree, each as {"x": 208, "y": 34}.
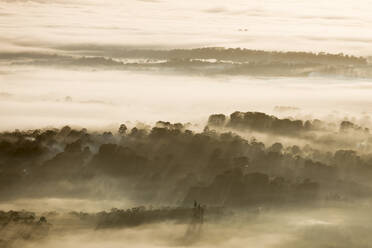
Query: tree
{"x": 122, "y": 129}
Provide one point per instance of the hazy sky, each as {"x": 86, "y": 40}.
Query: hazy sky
{"x": 331, "y": 26}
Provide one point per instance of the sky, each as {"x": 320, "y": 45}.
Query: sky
{"x": 287, "y": 25}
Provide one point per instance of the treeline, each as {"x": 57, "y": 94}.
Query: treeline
{"x": 205, "y": 61}
{"x": 259, "y": 121}
{"x": 331, "y": 136}
{"x": 121, "y": 218}
{"x": 205, "y": 67}
{"x": 234, "y": 188}
{"x": 170, "y": 164}
{"x": 21, "y": 225}
{"x": 244, "y": 55}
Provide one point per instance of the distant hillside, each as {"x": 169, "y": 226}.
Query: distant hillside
{"x": 201, "y": 61}
{"x": 246, "y": 55}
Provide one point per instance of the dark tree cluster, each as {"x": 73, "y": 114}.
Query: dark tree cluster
{"x": 259, "y": 121}
{"x": 15, "y": 225}
{"x": 168, "y": 163}
{"x": 234, "y": 188}
{"x": 343, "y": 135}
{"x": 119, "y": 218}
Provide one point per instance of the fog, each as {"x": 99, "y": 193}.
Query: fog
{"x": 318, "y": 228}
{"x": 165, "y": 185}
{"x": 34, "y": 97}
{"x": 160, "y": 123}
{"x": 97, "y": 63}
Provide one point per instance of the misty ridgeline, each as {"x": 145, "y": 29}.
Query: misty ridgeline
{"x": 179, "y": 175}
{"x": 206, "y": 61}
